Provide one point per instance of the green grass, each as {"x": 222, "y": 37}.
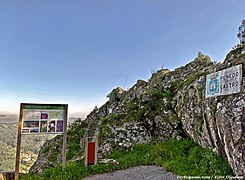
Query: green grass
{"x": 184, "y": 158}
{"x": 181, "y": 157}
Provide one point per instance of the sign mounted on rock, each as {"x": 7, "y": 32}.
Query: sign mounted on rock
{"x": 227, "y": 81}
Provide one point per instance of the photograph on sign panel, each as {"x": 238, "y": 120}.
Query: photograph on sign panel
{"x": 34, "y": 130}
{"x": 30, "y": 124}
{"x": 44, "y": 115}
{"x": 59, "y": 127}
{"x": 56, "y": 114}
{"x": 51, "y": 126}
{"x": 24, "y": 131}
{"x": 44, "y": 126}
{"x": 31, "y": 114}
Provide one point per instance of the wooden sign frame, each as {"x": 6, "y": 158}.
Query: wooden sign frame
{"x": 38, "y": 113}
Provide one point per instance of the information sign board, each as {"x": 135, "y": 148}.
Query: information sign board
{"x": 40, "y": 119}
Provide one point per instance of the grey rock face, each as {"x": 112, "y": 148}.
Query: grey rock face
{"x": 172, "y": 104}
{"x": 46, "y": 157}
{"x": 122, "y": 137}
{"x": 230, "y": 120}
{"x": 218, "y": 122}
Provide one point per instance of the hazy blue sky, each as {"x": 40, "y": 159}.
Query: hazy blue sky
{"x": 77, "y": 51}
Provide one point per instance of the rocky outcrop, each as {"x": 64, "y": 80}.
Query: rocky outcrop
{"x": 49, "y": 155}
{"x": 172, "y": 104}
{"x": 216, "y": 122}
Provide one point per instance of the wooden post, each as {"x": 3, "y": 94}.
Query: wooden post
{"x": 17, "y": 159}
{"x": 96, "y": 151}
{"x": 86, "y": 151}
{"x": 64, "y": 137}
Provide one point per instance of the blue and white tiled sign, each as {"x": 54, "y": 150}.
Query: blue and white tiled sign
{"x": 227, "y": 81}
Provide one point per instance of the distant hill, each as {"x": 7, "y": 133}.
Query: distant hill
{"x": 8, "y": 118}
{"x": 30, "y": 145}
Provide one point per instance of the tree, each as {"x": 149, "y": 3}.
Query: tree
{"x": 241, "y": 32}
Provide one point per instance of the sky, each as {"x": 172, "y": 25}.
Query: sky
{"x": 75, "y": 52}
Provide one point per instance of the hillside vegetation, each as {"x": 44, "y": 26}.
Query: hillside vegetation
{"x": 181, "y": 157}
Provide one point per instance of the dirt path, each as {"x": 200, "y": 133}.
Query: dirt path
{"x": 136, "y": 173}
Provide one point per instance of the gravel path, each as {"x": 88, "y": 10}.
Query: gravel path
{"x": 135, "y": 173}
